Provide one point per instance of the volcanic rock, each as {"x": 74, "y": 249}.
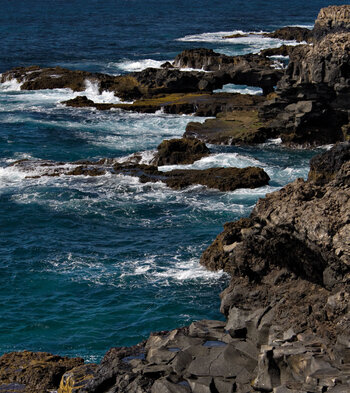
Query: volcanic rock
{"x": 180, "y": 151}
{"x": 283, "y": 50}
{"x": 200, "y": 104}
{"x": 324, "y": 167}
{"x": 332, "y": 19}
{"x": 312, "y": 102}
{"x": 293, "y": 33}
{"x": 250, "y": 69}
{"x": 223, "y": 179}
{"x": 232, "y": 128}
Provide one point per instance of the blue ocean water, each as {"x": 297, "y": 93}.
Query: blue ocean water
{"x": 91, "y": 263}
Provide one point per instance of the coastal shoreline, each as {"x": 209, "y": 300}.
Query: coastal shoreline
{"x": 287, "y": 305}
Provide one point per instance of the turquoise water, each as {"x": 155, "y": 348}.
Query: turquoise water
{"x": 90, "y": 263}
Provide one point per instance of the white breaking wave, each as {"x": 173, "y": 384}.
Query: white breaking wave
{"x": 10, "y": 85}
{"x": 92, "y": 93}
{"x": 216, "y": 36}
{"x": 226, "y": 160}
{"x": 136, "y": 65}
{"x": 242, "y": 89}
{"x": 249, "y": 42}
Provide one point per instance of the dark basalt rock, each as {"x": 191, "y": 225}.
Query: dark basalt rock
{"x": 223, "y": 179}
{"x": 180, "y": 151}
{"x": 324, "y": 167}
{"x": 312, "y": 102}
{"x": 289, "y": 33}
{"x": 36, "y": 78}
{"x": 250, "y": 69}
{"x": 209, "y": 60}
{"x": 283, "y": 50}
{"x": 33, "y": 372}
{"x": 200, "y": 104}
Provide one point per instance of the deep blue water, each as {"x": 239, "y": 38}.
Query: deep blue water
{"x": 90, "y": 263}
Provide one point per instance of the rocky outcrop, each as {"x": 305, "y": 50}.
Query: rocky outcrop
{"x": 312, "y": 102}
{"x": 200, "y": 104}
{"x": 332, "y": 19}
{"x": 324, "y": 167}
{"x": 238, "y": 127}
{"x": 302, "y": 216}
{"x": 223, "y": 179}
{"x": 209, "y": 60}
{"x": 282, "y": 50}
{"x": 36, "y": 78}
{"x": 33, "y": 372}
{"x": 292, "y": 33}
{"x": 180, "y": 151}
{"x": 250, "y": 69}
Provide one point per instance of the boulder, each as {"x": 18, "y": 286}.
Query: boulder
{"x": 180, "y": 151}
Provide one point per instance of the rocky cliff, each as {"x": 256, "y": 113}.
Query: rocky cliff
{"x": 332, "y": 19}
{"x": 312, "y": 101}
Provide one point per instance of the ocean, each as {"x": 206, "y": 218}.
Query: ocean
{"x": 88, "y": 263}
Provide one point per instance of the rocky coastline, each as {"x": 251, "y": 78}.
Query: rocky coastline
{"x": 287, "y": 306}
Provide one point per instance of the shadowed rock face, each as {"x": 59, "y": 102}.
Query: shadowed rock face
{"x": 312, "y": 102}
{"x": 324, "y": 167}
{"x": 291, "y": 33}
{"x": 180, "y": 151}
{"x": 250, "y": 69}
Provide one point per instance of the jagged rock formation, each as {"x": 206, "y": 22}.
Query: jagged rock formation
{"x": 312, "y": 102}
{"x": 290, "y": 268}
{"x": 223, "y": 179}
{"x": 250, "y": 69}
{"x": 332, "y": 19}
